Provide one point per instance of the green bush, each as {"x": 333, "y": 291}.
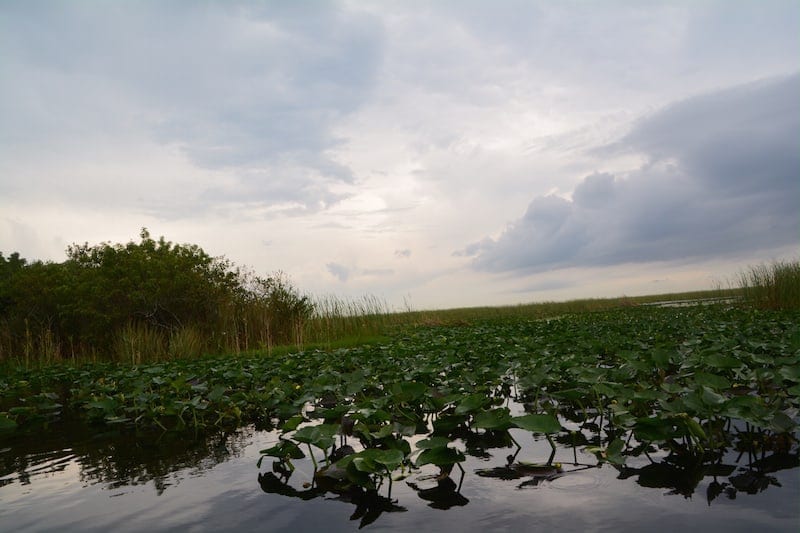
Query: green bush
{"x": 141, "y": 301}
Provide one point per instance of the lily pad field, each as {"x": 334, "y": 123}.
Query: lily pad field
{"x": 634, "y": 418}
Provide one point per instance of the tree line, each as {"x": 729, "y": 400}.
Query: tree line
{"x": 141, "y": 301}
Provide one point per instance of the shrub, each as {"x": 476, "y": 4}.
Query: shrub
{"x": 142, "y": 301}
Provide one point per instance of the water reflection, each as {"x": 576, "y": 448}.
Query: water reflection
{"x": 443, "y": 495}
{"x": 498, "y": 461}
{"x": 672, "y": 469}
{"x": 735, "y": 469}
{"x": 369, "y": 503}
{"x": 117, "y": 458}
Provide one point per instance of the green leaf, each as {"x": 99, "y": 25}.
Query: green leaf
{"x": 694, "y": 427}
{"x": 320, "y": 436}
{"x": 720, "y": 361}
{"x": 538, "y": 423}
{"x": 358, "y": 477}
{"x": 383, "y": 431}
{"x": 615, "y": 447}
{"x": 284, "y": 449}
{"x": 653, "y": 429}
{"x": 661, "y": 358}
{"x": 790, "y": 373}
{"x": 105, "y": 404}
{"x": 713, "y": 381}
{"x": 433, "y": 442}
{"x": 612, "y": 453}
{"x": 496, "y": 419}
{"x": 606, "y": 389}
{"x": 748, "y": 408}
{"x": 782, "y": 423}
{"x": 217, "y": 393}
{"x": 365, "y": 464}
{"x": 447, "y": 423}
{"x": 391, "y": 459}
{"x": 292, "y": 423}
{"x": 373, "y": 460}
{"x": 440, "y": 457}
{"x": 571, "y": 394}
{"x": 472, "y": 403}
{"x": 408, "y": 391}
{"x": 7, "y": 424}
{"x": 711, "y": 398}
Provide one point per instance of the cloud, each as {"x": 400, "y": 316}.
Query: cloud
{"x": 720, "y": 178}
{"x": 543, "y": 286}
{"x": 378, "y": 272}
{"x": 253, "y": 90}
{"x": 382, "y": 136}
{"x": 340, "y": 272}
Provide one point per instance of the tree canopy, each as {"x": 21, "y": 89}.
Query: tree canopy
{"x": 85, "y": 302}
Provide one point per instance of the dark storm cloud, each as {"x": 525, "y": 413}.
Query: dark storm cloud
{"x": 722, "y": 176}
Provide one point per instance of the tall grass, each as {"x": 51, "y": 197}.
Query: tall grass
{"x": 336, "y": 318}
{"x": 186, "y": 342}
{"x": 540, "y": 310}
{"x": 334, "y": 321}
{"x": 139, "y": 343}
{"x": 772, "y": 286}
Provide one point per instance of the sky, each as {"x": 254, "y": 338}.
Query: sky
{"x": 429, "y": 154}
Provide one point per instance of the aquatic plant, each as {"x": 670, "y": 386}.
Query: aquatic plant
{"x": 774, "y": 286}
{"x": 660, "y": 394}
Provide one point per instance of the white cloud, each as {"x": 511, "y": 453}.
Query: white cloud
{"x": 348, "y": 133}
{"x": 253, "y": 90}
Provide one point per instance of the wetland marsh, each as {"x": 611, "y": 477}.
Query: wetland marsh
{"x": 636, "y": 417}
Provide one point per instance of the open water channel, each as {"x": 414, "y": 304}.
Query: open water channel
{"x": 81, "y": 481}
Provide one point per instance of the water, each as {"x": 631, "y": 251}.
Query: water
{"x": 694, "y": 302}
{"x": 74, "y": 480}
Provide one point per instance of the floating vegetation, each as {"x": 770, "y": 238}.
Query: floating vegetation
{"x": 668, "y": 396}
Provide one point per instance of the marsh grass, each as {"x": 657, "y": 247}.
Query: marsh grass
{"x": 138, "y": 343}
{"x": 543, "y": 310}
{"x": 336, "y": 318}
{"x": 333, "y": 322}
{"x": 774, "y": 286}
{"x": 186, "y": 342}
{"x": 41, "y": 344}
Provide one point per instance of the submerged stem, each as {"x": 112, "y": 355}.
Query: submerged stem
{"x": 311, "y": 453}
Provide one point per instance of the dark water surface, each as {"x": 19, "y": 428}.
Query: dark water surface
{"x": 85, "y": 482}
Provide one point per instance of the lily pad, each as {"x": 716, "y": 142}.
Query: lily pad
{"x": 6, "y": 424}
{"x": 538, "y": 423}
{"x": 496, "y": 419}
{"x": 320, "y": 436}
{"x": 284, "y": 449}
{"x": 440, "y": 456}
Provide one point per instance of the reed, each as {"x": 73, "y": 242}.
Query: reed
{"x": 138, "y": 343}
{"x": 38, "y": 344}
{"x": 335, "y": 318}
{"x": 186, "y": 342}
{"x": 773, "y": 286}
